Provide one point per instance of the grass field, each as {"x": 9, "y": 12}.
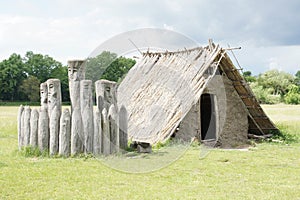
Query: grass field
{"x": 266, "y": 171}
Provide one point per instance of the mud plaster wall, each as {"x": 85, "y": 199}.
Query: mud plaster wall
{"x": 231, "y": 116}
{"x": 190, "y": 125}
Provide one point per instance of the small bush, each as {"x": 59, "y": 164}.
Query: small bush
{"x": 293, "y": 96}
{"x": 263, "y": 95}
{"x": 284, "y": 136}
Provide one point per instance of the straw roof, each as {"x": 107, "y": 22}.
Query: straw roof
{"x": 163, "y": 86}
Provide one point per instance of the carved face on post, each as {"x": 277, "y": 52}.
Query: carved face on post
{"x": 76, "y": 73}
{"x": 108, "y": 94}
{"x": 54, "y": 93}
{"x": 106, "y": 90}
{"x": 76, "y": 70}
{"x": 44, "y": 94}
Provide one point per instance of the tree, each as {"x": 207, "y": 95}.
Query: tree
{"x": 16, "y": 69}
{"x": 297, "y": 79}
{"x": 12, "y": 73}
{"x": 118, "y": 69}
{"x": 293, "y": 96}
{"x": 31, "y": 88}
{"x": 40, "y": 66}
{"x": 248, "y": 77}
{"x": 96, "y": 66}
{"x": 263, "y": 95}
{"x": 107, "y": 66}
{"x": 275, "y": 80}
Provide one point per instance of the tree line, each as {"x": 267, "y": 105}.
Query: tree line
{"x": 20, "y": 77}
{"x": 275, "y": 86}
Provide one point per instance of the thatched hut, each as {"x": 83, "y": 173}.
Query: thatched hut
{"x": 191, "y": 93}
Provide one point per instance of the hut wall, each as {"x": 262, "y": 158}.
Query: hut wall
{"x": 190, "y": 126}
{"x": 231, "y": 116}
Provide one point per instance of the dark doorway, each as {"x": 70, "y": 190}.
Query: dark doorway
{"x": 208, "y": 117}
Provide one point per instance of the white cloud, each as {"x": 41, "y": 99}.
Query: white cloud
{"x": 259, "y": 59}
{"x": 168, "y": 27}
{"x": 73, "y": 28}
{"x": 273, "y": 63}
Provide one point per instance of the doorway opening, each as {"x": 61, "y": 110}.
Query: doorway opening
{"x": 208, "y": 117}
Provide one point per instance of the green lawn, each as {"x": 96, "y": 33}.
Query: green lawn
{"x": 267, "y": 171}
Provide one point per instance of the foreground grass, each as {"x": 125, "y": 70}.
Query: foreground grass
{"x": 267, "y": 171}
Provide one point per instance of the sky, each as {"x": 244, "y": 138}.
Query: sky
{"x": 268, "y": 31}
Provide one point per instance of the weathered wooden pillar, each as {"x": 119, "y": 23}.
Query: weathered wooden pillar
{"x": 65, "y": 134}
{"x": 76, "y": 123}
{"x": 123, "y": 128}
{"x": 20, "y": 135}
{"x": 113, "y": 129}
{"x": 43, "y": 132}
{"x": 43, "y": 123}
{"x": 86, "y": 100}
{"x": 27, "y": 113}
{"x": 34, "y": 121}
{"x": 44, "y": 95}
{"x": 54, "y": 95}
{"x": 105, "y": 133}
{"x": 106, "y": 94}
{"x": 97, "y": 132}
{"x": 76, "y": 73}
{"x": 22, "y": 127}
{"x": 54, "y": 112}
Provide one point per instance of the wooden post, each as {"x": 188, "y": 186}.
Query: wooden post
{"x": 123, "y": 128}
{"x": 34, "y": 121}
{"x": 97, "y": 132}
{"x": 20, "y": 135}
{"x": 106, "y": 94}
{"x": 76, "y": 73}
{"x": 86, "y": 101}
{"x": 54, "y": 112}
{"x": 44, "y": 95}
{"x": 76, "y": 124}
{"x": 43, "y": 131}
{"x": 105, "y": 133}
{"x": 65, "y": 134}
{"x": 113, "y": 129}
{"x": 27, "y": 113}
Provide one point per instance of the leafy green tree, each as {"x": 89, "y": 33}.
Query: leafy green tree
{"x": 107, "y": 66}
{"x": 118, "y": 69}
{"x": 15, "y": 69}
{"x": 248, "y": 77}
{"x": 96, "y": 66}
{"x": 264, "y": 95}
{"x": 297, "y": 79}
{"x": 12, "y": 73}
{"x": 277, "y": 82}
{"x": 31, "y": 87}
{"x": 40, "y": 66}
{"x": 293, "y": 96}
